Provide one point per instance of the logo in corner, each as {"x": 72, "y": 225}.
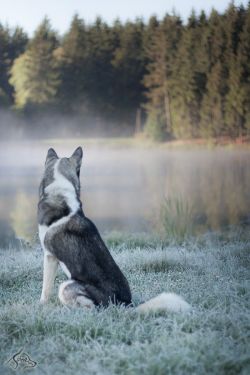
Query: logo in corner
{"x": 21, "y": 360}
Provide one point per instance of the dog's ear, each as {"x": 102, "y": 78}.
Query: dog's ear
{"x": 77, "y": 157}
{"x": 51, "y": 155}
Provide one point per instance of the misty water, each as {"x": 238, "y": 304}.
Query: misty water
{"x": 124, "y": 189}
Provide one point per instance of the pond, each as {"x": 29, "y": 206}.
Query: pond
{"x": 124, "y": 189}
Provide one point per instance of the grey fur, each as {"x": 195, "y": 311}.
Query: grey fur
{"x": 75, "y": 294}
{"x": 70, "y": 169}
{"x": 76, "y": 242}
{"x": 51, "y": 155}
{"x": 51, "y": 211}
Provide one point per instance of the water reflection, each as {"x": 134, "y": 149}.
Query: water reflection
{"x": 124, "y": 189}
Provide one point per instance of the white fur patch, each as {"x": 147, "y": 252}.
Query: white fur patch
{"x": 50, "y": 264}
{"x": 64, "y": 187}
{"x": 79, "y": 299}
{"x": 65, "y": 270}
{"x": 61, "y": 289}
{"x": 84, "y": 302}
{"x": 42, "y": 232}
{"x": 165, "y": 302}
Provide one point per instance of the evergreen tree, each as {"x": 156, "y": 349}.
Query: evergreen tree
{"x": 186, "y": 106}
{"x": 243, "y": 57}
{"x": 190, "y": 80}
{"x": 4, "y": 39}
{"x": 212, "y": 120}
{"x": 72, "y": 58}
{"x": 159, "y": 78}
{"x": 86, "y": 69}
{"x": 216, "y": 39}
{"x": 12, "y": 44}
{"x": 34, "y": 74}
{"x": 101, "y": 74}
{"x": 234, "y": 102}
{"x": 129, "y": 68}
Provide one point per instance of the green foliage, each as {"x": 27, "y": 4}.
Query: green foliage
{"x": 212, "y": 121}
{"x": 155, "y": 127}
{"x": 186, "y": 80}
{"x": 159, "y": 79}
{"x": 177, "y": 218}
{"x": 205, "y": 77}
{"x": 4, "y": 100}
{"x": 234, "y": 107}
{"x": 20, "y": 80}
{"x": 34, "y": 74}
{"x": 12, "y": 44}
{"x": 128, "y": 69}
{"x": 72, "y": 57}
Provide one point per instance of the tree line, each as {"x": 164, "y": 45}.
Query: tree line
{"x": 165, "y": 77}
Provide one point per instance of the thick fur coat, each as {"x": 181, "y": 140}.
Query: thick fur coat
{"x": 70, "y": 239}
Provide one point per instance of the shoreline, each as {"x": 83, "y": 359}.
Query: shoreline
{"x": 140, "y": 142}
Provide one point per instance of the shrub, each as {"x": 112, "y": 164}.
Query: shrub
{"x": 177, "y": 218}
{"x": 155, "y": 128}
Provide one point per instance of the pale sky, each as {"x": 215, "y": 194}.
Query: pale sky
{"x": 29, "y": 13}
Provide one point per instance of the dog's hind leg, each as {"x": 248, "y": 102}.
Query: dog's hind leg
{"x": 50, "y": 264}
{"x": 73, "y": 293}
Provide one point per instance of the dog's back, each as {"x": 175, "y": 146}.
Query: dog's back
{"x": 71, "y": 239}
{"x": 78, "y": 245}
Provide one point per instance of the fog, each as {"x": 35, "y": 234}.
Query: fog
{"x": 45, "y": 124}
{"x": 123, "y": 189}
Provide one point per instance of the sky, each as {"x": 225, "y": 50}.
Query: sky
{"x": 29, "y": 13}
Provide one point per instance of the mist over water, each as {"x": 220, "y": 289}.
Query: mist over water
{"x": 17, "y": 126}
{"x": 124, "y": 189}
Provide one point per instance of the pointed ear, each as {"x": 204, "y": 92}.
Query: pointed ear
{"x": 51, "y": 155}
{"x": 77, "y": 156}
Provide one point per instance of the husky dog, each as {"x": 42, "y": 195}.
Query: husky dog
{"x": 70, "y": 239}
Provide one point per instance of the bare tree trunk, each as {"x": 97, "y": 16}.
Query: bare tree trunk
{"x": 138, "y": 121}
{"x": 167, "y": 112}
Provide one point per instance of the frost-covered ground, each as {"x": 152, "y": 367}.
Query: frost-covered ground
{"x": 211, "y": 273}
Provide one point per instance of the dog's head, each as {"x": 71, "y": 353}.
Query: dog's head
{"x": 69, "y": 168}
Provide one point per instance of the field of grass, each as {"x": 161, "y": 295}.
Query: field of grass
{"x": 211, "y": 273}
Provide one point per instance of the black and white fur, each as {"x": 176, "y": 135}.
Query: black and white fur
{"x": 70, "y": 239}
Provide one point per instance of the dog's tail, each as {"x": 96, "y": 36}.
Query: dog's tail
{"x": 169, "y": 302}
